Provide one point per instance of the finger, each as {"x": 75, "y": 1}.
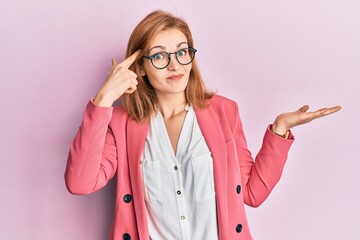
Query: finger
{"x": 130, "y": 89}
{"x": 326, "y": 111}
{"x": 130, "y": 60}
{"x": 335, "y": 109}
{"x": 331, "y": 110}
{"x": 132, "y": 81}
{"x": 304, "y": 108}
{"x": 135, "y": 82}
{"x": 319, "y": 113}
{"x": 113, "y": 62}
{"x": 132, "y": 74}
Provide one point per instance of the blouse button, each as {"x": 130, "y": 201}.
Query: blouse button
{"x": 182, "y": 217}
{"x": 178, "y": 192}
{"x": 175, "y": 168}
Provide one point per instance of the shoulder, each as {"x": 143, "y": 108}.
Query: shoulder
{"x": 225, "y": 109}
{"x": 218, "y": 101}
{"x": 226, "y": 113}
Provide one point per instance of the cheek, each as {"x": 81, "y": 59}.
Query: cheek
{"x": 149, "y": 71}
{"x": 188, "y": 68}
{"x": 155, "y": 76}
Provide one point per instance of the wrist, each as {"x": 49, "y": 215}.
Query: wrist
{"x": 280, "y": 130}
{"x": 102, "y": 101}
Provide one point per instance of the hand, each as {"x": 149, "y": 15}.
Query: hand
{"x": 285, "y": 121}
{"x": 119, "y": 80}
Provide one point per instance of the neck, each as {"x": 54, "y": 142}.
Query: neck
{"x": 171, "y": 104}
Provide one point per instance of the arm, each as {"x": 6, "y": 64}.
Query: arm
{"x": 92, "y": 160}
{"x": 261, "y": 176}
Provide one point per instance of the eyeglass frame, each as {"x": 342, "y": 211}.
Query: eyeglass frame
{"x": 169, "y": 57}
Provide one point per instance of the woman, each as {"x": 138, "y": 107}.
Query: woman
{"x": 179, "y": 151}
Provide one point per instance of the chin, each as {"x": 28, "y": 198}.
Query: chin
{"x": 172, "y": 90}
{"x": 176, "y": 91}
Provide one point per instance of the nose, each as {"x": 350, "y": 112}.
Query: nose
{"x": 174, "y": 64}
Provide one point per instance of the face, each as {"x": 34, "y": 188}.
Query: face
{"x": 174, "y": 78}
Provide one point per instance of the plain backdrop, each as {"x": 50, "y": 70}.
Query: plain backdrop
{"x": 269, "y": 56}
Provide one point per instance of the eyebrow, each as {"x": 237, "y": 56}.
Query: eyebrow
{"x": 163, "y": 48}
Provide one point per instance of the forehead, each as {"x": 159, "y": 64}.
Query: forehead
{"x": 168, "y": 39}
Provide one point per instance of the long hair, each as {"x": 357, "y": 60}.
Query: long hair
{"x": 140, "y": 104}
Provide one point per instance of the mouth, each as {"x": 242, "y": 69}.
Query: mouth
{"x": 175, "y": 77}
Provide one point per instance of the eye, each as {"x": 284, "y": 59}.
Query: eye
{"x": 158, "y": 56}
{"x": 182, "y": 52}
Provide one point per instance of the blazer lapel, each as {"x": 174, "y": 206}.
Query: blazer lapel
{"x": 211, "y": 129}
{"x": 136, "y": 136}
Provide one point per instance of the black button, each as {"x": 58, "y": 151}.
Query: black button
{"x": 175, "y": 168}
{"x": 238, "y": 189}
{"x": 126, "y": 236}
{"x": 238, "y": 228}
{"x": 178, "y": 192}
{"x": 127, "y": 198}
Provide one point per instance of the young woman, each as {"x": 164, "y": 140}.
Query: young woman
{"x": 179, "y": 151}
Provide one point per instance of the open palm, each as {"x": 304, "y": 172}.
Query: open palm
{"x": 286, "y": 121}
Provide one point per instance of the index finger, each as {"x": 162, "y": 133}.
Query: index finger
{"x": 130, "y": 60}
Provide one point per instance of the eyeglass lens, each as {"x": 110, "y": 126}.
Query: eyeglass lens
{"x": 183, "y": 56}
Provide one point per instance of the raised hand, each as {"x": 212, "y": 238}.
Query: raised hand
{"x": 286, "y": 121}
{"x": 119, "y": 80}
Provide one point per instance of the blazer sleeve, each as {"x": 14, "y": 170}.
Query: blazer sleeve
{"x": 92, "y": 159}
{"x": 259, "y": 177}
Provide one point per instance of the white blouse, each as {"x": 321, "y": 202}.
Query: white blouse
{"x": 179, "y": 188}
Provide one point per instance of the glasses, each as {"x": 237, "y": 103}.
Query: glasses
{"x": 161, "y": 60}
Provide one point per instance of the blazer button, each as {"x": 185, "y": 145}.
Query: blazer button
{"x": 238, "y": 228}
{"x": 127, "y": 198}
{"x": 238, "y": 189}
{"x": 126, "y": 236}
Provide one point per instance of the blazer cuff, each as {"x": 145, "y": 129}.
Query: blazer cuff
{"x": 97, "y": 114}
{"x": 96, "y": 106}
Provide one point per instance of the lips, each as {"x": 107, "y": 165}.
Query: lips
{"x": 175, "y": 77}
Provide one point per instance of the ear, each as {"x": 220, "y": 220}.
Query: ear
{"x": 142, "y": 71}
{"x": 141, "y": 68}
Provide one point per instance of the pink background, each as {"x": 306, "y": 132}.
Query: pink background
{"x": 269, "y": 56}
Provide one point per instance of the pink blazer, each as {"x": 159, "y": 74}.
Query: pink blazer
{"x": 110, "y": 142}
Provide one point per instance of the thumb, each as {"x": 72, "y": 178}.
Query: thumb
{"x": 113, "y": 62}
{"x": 304, "y": 108}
